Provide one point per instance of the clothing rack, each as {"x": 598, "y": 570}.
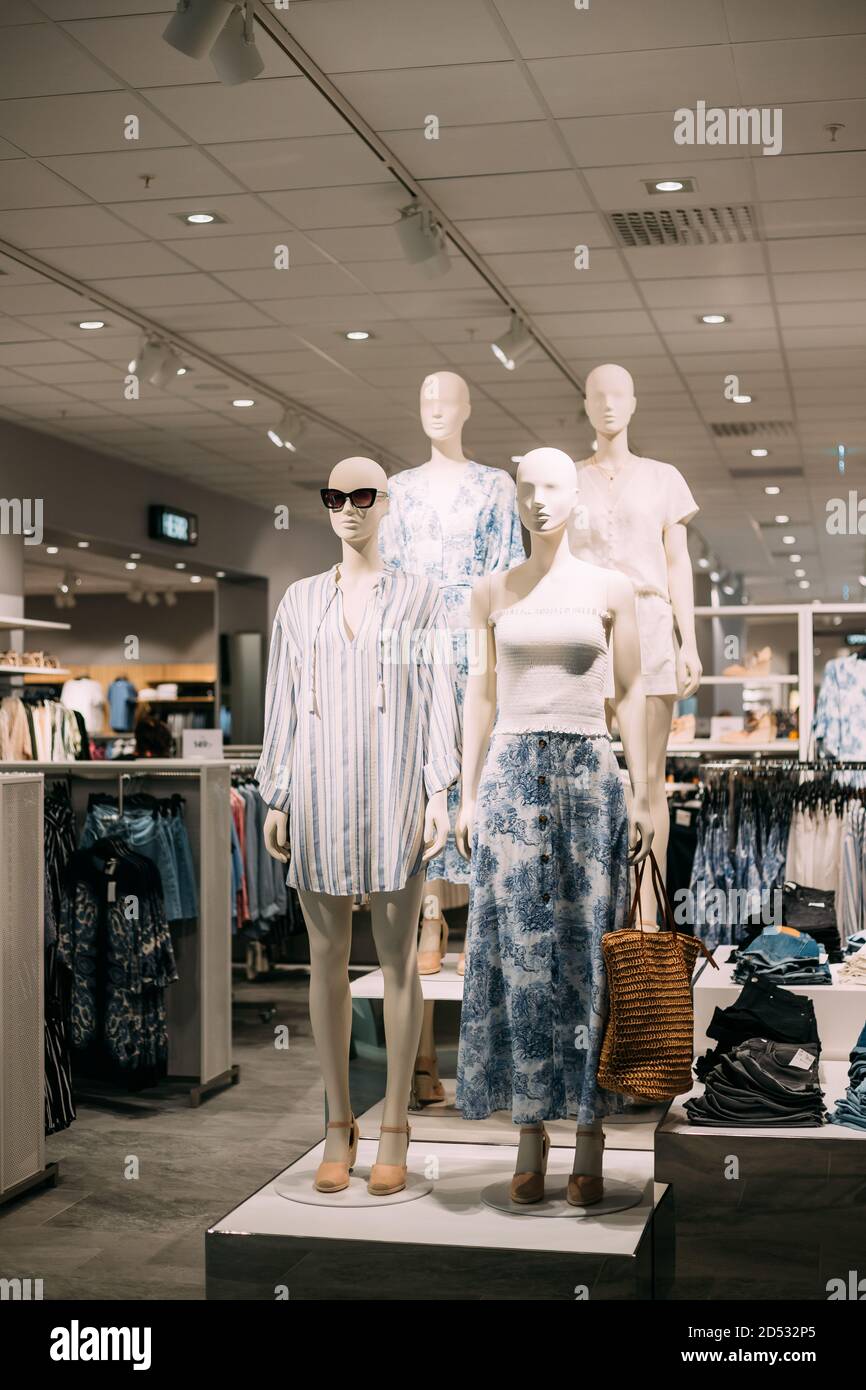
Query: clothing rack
{"x": 198, "y": 1003}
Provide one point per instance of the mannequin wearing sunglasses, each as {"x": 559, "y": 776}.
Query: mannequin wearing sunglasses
{"x": 543, "y": 822}
{"x": 454, "y": 520}
{"x": 366, "y": 812}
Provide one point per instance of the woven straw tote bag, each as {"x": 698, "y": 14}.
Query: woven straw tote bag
{"x": 648, "y": 1043}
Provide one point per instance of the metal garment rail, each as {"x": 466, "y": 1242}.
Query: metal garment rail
{"x": 198, "y": 1003}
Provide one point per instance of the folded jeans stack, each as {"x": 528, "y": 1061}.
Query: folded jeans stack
{"x": 783, "y": 956}
{"x": 851, "y": 1109}
{"x": 761, "y": 1010}
{"x": 762, "y": 1084}
{"x": 855, "y": 943}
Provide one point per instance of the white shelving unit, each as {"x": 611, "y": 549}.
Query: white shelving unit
{"x": 31, "y": 625}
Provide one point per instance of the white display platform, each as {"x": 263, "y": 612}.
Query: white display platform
{"x": 443, "y": 1123}
{"x": 446, "y": 985}
{"x": 840, "y": 1008}
{"x": 447, "y": 1245}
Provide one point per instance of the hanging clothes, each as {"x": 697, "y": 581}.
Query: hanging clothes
{"x": 157, "y": 829}
{"x": 840, "y": 710}
{"x": 122, "y": 697}
{"x": 114, "y": 938}
{"x": 480, "y": 533}
{"x": 358, "y": 731}
{"x": 59, "y": 831}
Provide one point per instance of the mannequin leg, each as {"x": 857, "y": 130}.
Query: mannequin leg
{"x": 659, "y": 713}
{"x": 393, "y": 919}
{"x": 434, "y": 927}
{"x": 589, "y": 1150}
{"x": 329, "y": 925}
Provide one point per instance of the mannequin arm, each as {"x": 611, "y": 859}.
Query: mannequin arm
{"x": 479, "y": 710}
{"x": 631, "y": 712}
{"x": 682, "y": 591}
{"x": 276, "y": 823}
{"x": 436, "y": 825}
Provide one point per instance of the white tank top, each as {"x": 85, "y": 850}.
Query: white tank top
{"x": 551, "y": 664}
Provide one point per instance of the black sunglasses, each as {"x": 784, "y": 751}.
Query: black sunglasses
{"x": 361, "y": 497}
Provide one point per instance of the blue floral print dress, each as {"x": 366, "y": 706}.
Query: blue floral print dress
{"x": 481, "y": 534}
{"x": 549, "y": 874}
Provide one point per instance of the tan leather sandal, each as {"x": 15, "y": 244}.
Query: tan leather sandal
{"x": 430, "y": 962}
{"x": 584, "y": 1190}
{"x": 388, "y": 1178}
{"x": 528, "y": 1187}
{"x": 333, "y": 1175}
{"x": 428, "y": 1088}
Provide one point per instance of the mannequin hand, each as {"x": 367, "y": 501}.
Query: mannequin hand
{"x": 640, "y": 834}
{"x": 464, "y": 828}
{"x": 276, "y": 824}
{"x": 436, "y": 825}
{"x": 689, "y": 671}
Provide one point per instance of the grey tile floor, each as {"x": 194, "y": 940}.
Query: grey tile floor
{"x": 103, "y": 1234}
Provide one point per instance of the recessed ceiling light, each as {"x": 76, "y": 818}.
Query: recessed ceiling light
{"x": 84, "y": 545}
{"x": 795, "y": 559}
{"x": 51, "y": 549}
{"x": 135, "y": 554}
{"x": 804, "y": 584}
{"x": 182, "y": 371}
{"x": 130, "y": 565}
{"x": 772, "y": 491}
{"x": 198, "y": 219}
{"x": 715, "y": 576}
{"x": 862, "y": 580}
{"x": 704, "y": 562}
{"x": 781, "y": 519}
{"x": 669, "y": 185}
{"x": 713, "y": 318}
{"x": 728, "y": 589}
{"x": 180, "y": 564}
{"x": 358, "y": 335}
{"x": 220, "y": 574}
{"x": 195, "y": 579}
{"x": 789, "y": 540}
{"x": 243, "y": 402}
{"x": 759, "y": 453}
{"x": 742, "y": 400}
{"x": 91, "y": 324}
{"x": 801, "y": 574}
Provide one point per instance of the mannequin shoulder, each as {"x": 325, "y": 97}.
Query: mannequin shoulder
{"x": 494, "y": 477}
{"x": 620, "y": 590}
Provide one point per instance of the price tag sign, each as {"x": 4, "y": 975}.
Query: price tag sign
{"x": 202, "y": 745}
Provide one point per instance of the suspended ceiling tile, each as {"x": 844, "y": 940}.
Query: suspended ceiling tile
{"x": 268, "y": 283}
{"x": 400, "y": 275}
{"x": 370, "y": 35}
{"x": 163, "y": 218}
{"x": 509, "y": 195}
{"x": 319, "y": 161}
{"x": 260, "y": 110}
{"x": 819, "y": 175}
{"x": 246, "y": 252}
{"x": 536, "y": 233}
{"x": 465, "y": 94}
{"x": 356, "y": 206}
{"x": 814, "y": 217}
{"x": 340, "y": 310}
{"x": 40, "y": 60}
{"x": 116, "y": 177}
{"x": 818, "y": 254}
{"x": 549, "y": 28}
{"x": 479, "y": 150}
{"x": 667, "y": 262}
{"x": 82, "y": 124}
{"x": 36, "y": 299}
{"x": 707, "y": 294}
{"x": 578, "y": 295}
{"x": 783, "y": 19}
{"x": 65, "y": 226}
{"x": 804, "y": 69}
{"x": 614, "y": 83}
{"x": 645, "y": 138}
{"x": 26, "y": 184}
{"x": 136, "y": 258}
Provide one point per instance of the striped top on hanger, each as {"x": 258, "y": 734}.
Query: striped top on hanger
{"x": 358, "y": 731}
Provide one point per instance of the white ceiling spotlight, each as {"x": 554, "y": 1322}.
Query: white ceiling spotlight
{"x": 170, "y": 598}
{"x": 286, "y": 431}
{"x": 151, "y": 598}
{"x": 423, "y": 240}
{"x": 515, "y": 345}
{"x": 221, "y": 28}
{"x": 158, "y": 364}
{"x": 91, "y": 325}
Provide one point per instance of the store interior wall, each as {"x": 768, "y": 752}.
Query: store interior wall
{"x": 100, "y": 625}
{"x": 104, "y": 498}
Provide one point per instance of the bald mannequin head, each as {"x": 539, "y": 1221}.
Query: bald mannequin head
{"x": 445, "y": 406}
{"x": 355, "y": 524}
{"x": 546, "y": 489}
{"x": 610, "y": 399}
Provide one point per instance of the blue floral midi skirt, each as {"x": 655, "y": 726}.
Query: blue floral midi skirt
{"x": 549, "y": 878}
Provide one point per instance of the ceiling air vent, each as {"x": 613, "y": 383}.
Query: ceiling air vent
{"x": 749, "y": 429}
{"x": 713, "y": 226}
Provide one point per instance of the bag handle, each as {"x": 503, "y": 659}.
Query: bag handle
{"x": 664, "y": 902}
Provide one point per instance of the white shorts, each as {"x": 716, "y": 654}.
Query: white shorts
{"x": 658, "y": 647}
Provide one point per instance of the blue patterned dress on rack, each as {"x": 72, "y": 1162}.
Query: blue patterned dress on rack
{"x": 482, "y": 534}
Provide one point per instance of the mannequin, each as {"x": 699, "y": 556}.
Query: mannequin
{"x": 632, "y": 516}
{"x": 452, "y": 519}
{"x": 543, "y": 819}
{"x": 359, "y": 823}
